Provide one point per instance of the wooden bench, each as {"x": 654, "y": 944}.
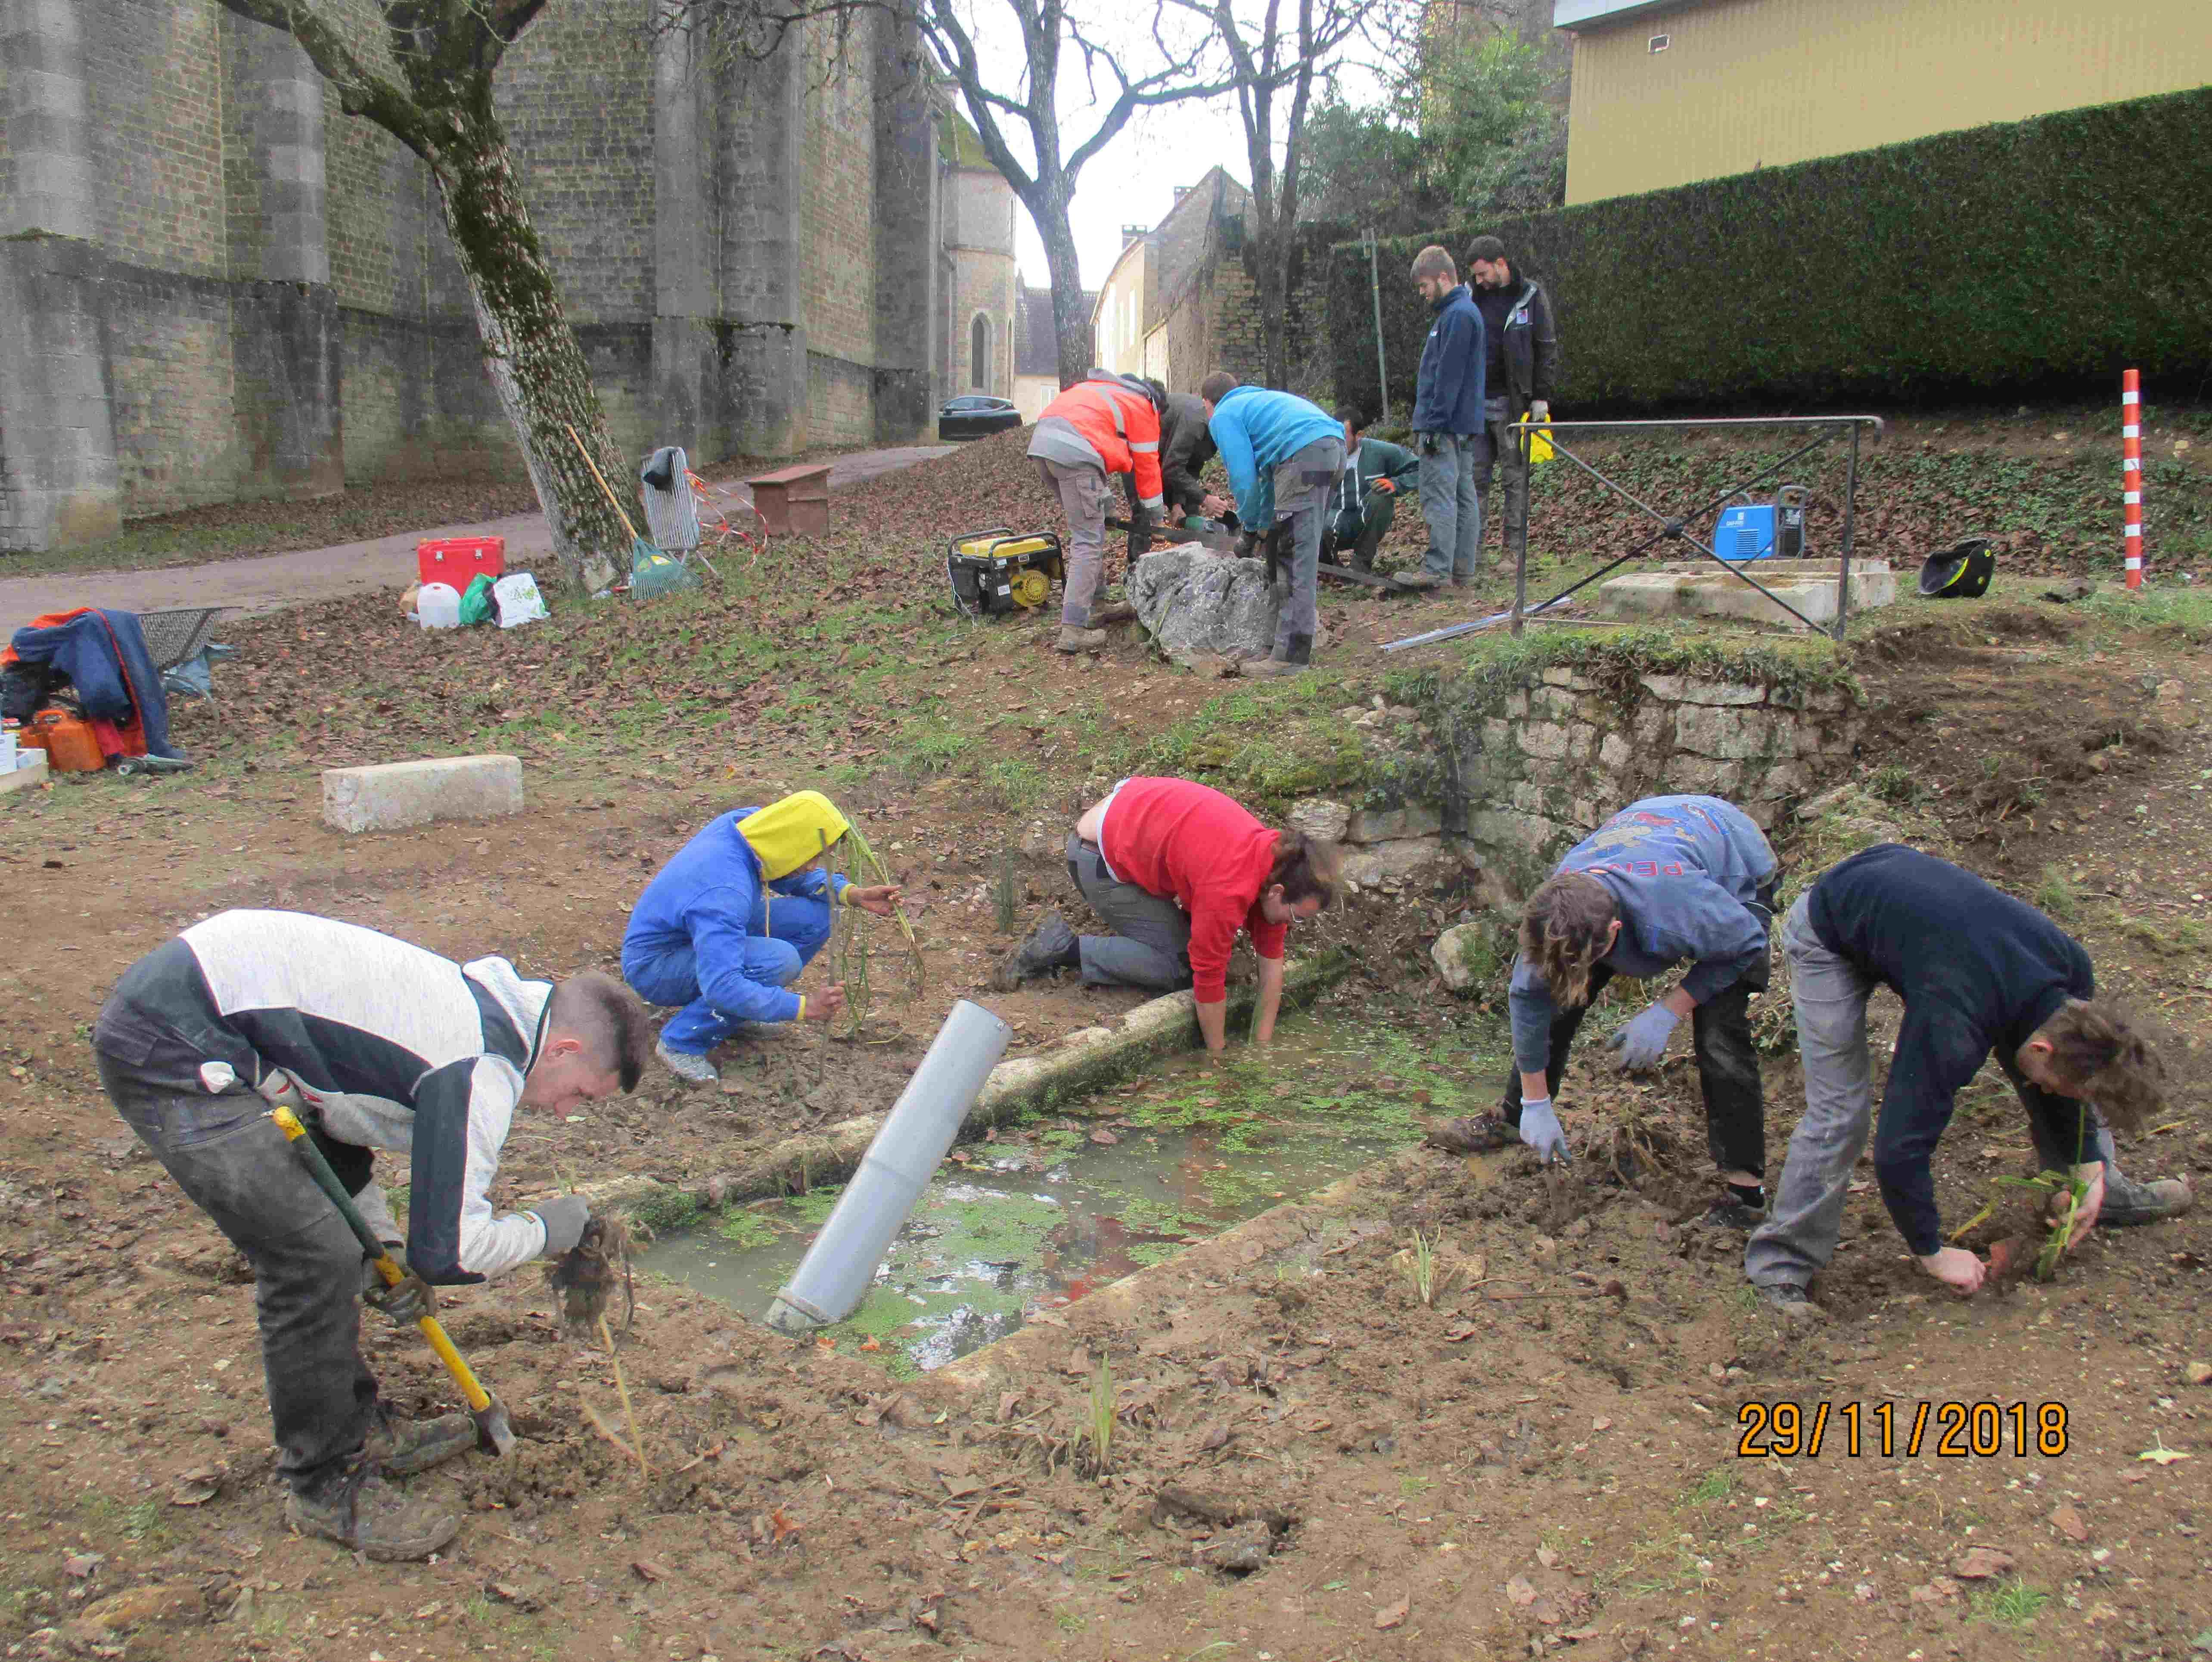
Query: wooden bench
{"x": 794, "y": 499}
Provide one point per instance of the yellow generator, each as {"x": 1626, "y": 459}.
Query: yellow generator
{"x": 999, "y": 571}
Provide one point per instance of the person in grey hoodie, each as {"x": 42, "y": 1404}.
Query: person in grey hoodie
{"x": 1449, "y": 432}
{"x": 1665, "y": 881}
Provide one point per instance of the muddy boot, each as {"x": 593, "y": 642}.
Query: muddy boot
{"x": 1051, "y": 945}
{"x": 400, "y": 1448}
{"x": 1740, "y": 1208}
{"x": 1119, "y": 612}
{"x": 373, "y": 1518}
{"x": 1295, "y": 661}
{"x": 1790, "y": 1302}
{"x": 691, "y": 1070}
{"x": 2128, "y": 1202}
{"x": 1073, "y": 641}
{"x": 1420, "y": 578}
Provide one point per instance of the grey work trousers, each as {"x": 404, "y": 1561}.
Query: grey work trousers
{"x": 1501, "y": 472}
{"x": 1450, "y": 502}
{"x": 230, "y": 1159}
{"x": 1829, "y": 993}
{"x": 1150, "y": 947}
{"x": 1302, "y": 483}
{"x": 1085, "y": 497}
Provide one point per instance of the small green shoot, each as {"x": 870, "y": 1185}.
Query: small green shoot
{"x": 1102, "y": 1413}
{"x": 2011, "y": 1604}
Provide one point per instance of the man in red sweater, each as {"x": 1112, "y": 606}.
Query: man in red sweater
{"x": 1176, "y": 869}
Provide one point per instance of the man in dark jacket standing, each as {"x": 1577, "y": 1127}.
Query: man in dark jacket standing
{"x": 1447, "y": 423}
{"x": 1364, "y": 501}
{"x": 1521, "y": 350}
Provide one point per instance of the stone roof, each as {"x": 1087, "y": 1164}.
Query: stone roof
{"x": 1037, "y": 342}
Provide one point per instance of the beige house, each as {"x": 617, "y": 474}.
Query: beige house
{"x": 1670, "y": 92}
{"x": 1177, "y": 304}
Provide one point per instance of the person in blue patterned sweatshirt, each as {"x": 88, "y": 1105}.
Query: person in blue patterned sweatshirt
{"x": 1667, "y": 880}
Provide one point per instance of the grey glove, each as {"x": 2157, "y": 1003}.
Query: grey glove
{"x": 564, "y": 1219}
{"x": 406, "y": 1301}
{"x": 1540, "y": 1130}
{"x": 1643, "y": 1042}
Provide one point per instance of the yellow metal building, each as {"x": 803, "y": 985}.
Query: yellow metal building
{"x": 1682, "y": 90}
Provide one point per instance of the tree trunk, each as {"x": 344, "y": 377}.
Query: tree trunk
{"x": 1071, "y": 317}
{"x": 529, "y": 351}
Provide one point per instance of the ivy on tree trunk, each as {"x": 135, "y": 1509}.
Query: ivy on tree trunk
{"x": 445, "y": 51}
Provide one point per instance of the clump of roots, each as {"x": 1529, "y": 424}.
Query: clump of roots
{"x": 586, "y": 1276}
{"x": 1638, "y": 1153}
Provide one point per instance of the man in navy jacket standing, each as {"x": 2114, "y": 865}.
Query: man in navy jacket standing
{"x": 1447, "y": 423}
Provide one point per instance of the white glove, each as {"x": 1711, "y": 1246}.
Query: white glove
{"x": 1540, "y": 1130}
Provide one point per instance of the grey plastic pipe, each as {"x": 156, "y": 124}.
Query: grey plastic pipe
{"x": 920, "y": 1126}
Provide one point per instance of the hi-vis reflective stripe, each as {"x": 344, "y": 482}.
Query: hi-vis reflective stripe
{"x": 2132, "y": 464}
{"x": 2129, "y": 430}
{"x": 2131, "y": 497}
{"x": 1144, "y": 450}
{"x": 2130, "y": 397}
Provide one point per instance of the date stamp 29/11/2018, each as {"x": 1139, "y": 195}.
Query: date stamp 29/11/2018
{"x": 1888, "y": 1430}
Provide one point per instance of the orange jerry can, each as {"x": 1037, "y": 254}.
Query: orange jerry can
{"x": 71, "y": 745}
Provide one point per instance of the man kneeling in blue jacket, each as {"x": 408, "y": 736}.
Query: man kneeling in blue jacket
{"x": 1665, "y": 881}
{"x": 728, "y": 924}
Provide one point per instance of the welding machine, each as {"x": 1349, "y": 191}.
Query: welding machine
{"x": 1001, "y": 571}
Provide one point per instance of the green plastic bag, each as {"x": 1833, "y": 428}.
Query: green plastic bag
{"x": 477, "y": 605}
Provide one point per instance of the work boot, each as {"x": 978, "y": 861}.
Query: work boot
{"x": 400, "y": 1448}
{"x": 373, "y": 1518}
{"x": 1421, "y": 579}
{"x": 1730, "y": 1213}
{"x": 692, "y": 1070}
{"x": 1072, "y": 639}
{"x": 1117, "y": 613}
{"x": 2128, "y": 1202}
{"x": 1051, "y": 945}
{"x": 1474, "y": 1133}
{"x": 1790, "y": 1301}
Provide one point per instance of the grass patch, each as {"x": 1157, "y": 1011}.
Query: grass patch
{"x": 1715, "y": 1485}
{"x": 2010, "y": 1603}
{"x": 2057, "y": 895}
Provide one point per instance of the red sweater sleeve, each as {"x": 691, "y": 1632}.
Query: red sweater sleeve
{"x": 1216, "y": 914}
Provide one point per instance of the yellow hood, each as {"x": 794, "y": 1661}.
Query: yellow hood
{"x": 788, "y": 834}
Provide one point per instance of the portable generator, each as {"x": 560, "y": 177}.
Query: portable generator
{"x": 1002, "y": 571}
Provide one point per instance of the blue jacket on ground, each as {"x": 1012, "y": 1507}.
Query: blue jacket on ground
{"x": 104, "y": 655}
{"x": 1448, "y": 398}
{"x": 1257, "y": 430}
{"x": 1682, "y": 872}
{"x": 701, "y": 900}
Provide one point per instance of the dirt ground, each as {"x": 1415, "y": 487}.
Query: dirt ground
{"x": 1535, "y": 1462}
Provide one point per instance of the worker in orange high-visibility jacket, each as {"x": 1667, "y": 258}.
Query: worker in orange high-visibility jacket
{"x": 1104, "y": 425}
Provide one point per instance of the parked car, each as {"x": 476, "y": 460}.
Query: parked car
{"x": 976, "y": 415}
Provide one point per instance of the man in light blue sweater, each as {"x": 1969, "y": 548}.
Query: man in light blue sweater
{"x": 1665, "y": 881}
{"x": 1282, "y": 454}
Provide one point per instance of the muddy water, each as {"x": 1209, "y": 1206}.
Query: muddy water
{"x": 1047, "y": 1213}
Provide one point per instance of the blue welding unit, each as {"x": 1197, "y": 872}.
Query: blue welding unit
{"x": 1744, "y": 531}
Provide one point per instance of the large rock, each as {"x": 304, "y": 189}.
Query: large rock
{"x": 1320, "y": 818}
{"x": 391, "y": 796}
{"x": 1467, "y": 956}
{"x": 1195, "y": 602}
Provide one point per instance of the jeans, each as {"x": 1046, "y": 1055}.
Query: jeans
{"x": 1727, "y": 1070}
{"x": 1085, "y": 497}
{"x": 230, "y": 1159}
{"x": 1361, "y": 533}
{"x": 1450, "y": 503}
{"x": 1150, "y": 947}
{"x": 784, "y": 933}
{"x": 1830, "y": 992}
{"x": 1302, "y": 487}
{"x": 1499, "y": 462}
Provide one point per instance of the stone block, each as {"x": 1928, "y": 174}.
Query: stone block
{"x": 1392, "y": 864}
{"x": 1731, "y": 735}
{"x": 1193, "y": 601}
{"x": 1686, "y": 774}
{"x": 1545, "y": 739}
{"x": 1707, "y": 591}
{"x": 1321, "y": 819}
{"x": 395, "y": 795}
{"x": 1571, "y": 680}
{"x": 1516, "y": 705}
{"x": 1613, "y": 753}
{"x": 1467, "y": 956}
{"x": 1372, "y": 825}
{"x": 24, "y": 779}
{"x": 1525, "y": 832}
{"x": 1650, "y": 725}
{"x": 1687, "y": 690}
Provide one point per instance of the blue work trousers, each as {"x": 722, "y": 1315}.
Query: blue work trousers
{"x": 783, "y": 935}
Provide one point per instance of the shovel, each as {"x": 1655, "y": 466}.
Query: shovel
{"x": 494, "y": 1434}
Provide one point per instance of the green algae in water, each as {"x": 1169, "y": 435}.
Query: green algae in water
{"x": 1043, "y": 1215}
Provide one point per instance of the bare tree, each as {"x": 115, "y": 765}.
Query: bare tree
{"x": 423, "y": 71}
{"x": 1176, "y": 71}
{"x": 1272, "y": 55}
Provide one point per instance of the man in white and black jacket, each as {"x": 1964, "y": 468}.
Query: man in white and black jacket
{"x": 374, "y": 1044}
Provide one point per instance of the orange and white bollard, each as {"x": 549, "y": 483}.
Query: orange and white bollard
{"x": 2131, "y": 469}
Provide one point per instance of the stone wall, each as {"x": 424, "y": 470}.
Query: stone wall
{"x": 1495, "y": 787}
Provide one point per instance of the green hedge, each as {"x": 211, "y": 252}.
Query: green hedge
{"x": 2031, "y": 256}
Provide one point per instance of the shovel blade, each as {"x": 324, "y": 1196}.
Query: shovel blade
{"x": 494, "y": 1435}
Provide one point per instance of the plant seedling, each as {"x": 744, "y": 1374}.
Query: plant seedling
{"x": 1102, "y": 1413}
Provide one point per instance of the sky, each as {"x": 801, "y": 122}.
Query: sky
{"x": 1133, "y": 180}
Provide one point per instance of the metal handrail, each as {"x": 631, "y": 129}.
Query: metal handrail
{"x": 1673, "y": 529}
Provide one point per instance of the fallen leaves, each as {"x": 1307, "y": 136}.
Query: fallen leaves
{"x": 2068, "y": 1521}
{"x": 2160, "y": 1454}
{"x": 1394, "y": 1615}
